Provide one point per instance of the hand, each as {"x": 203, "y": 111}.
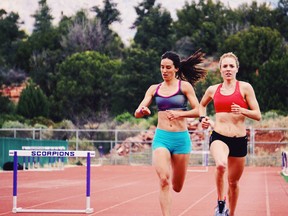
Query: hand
{"x": 145, "y": 110}
{"x": 236, "y": 109}
{"x": 205, "y": 123}
{"x": 171, "y": 115}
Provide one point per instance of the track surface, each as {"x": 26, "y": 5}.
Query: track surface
{"x": 133, "y": 191}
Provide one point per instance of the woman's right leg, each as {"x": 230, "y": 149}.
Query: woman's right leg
{"x": 162, "y": 164}
{"x": 220, "y": 151}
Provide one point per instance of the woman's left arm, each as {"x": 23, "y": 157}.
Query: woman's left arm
{"x": 254, "y": 111}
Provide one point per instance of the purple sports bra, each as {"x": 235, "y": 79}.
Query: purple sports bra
{"x": 177, "y": 101}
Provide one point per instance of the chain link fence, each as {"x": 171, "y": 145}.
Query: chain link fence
{"x": 133, "y": 147}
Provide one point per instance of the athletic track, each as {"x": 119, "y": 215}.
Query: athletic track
{"x": 133, "y": 191}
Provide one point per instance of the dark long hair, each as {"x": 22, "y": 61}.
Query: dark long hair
{"x": 189, "y": 69}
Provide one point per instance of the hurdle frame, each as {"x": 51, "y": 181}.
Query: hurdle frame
{"x": 284, "y": 170}
{"x": 205, "y": 154}
{"x": 87, "y": 210}
{"x": 205, "y": 161}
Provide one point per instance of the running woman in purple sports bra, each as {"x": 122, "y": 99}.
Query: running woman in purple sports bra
{"x": 171, "y": 144}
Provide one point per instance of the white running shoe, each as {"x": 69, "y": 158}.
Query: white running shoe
{"x": 221, "y": 209}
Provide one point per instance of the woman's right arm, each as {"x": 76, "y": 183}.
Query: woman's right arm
{"x": 143, "y": 109}
{"x": 207, "y": 97}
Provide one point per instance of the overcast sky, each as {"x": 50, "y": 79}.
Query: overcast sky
{"x": 26, "y": 8}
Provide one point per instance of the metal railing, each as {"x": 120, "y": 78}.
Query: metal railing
{"x": 133, "y": 146}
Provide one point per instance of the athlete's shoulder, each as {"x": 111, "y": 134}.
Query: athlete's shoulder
{"x": 245, "y": 85}
{"x": 186, "y": 84}
{"x": 153, "y": 88}
{"x": 213, "y": 88}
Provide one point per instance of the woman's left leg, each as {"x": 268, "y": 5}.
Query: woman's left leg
{"x": 179, "y": 164}
{"x": 235, "y": 169}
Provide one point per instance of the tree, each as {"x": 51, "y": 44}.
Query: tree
{"x": 254, "y": 47}
{"x": 90, "y": 34}
{"x": 84, "y": 35}
{"x": 271, "y": 85}
{"x": 143, "y": 10}
{"x": 10, "y": 35}
{"x": 7, "y": 107}
{"x": 281, "y": 17}
{"x": 44, "y": 36}
{"x": 105, "y": 17}
{"x": 109, "y": 14}
{"x": 33, "y": 102}
{"x": 148, "y": 35}
{"x": 256, "y": 15}
{"x": 84, "y": 85}
{"x": 43, "y": 69}
{"x": 140, "y": 69}
{"x": 200, "y": 26}
{"x": 44, "y": 48}
{"x": 43, "y": 17}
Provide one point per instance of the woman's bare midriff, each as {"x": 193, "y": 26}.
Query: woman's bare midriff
{"x": 164, "y": 123}
{"x": 230, "y": 124}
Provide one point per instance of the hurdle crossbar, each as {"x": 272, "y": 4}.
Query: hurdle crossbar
{"x": 61, "y": 162}
{"x": 47, "y": 153}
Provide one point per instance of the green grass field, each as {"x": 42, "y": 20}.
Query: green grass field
{"x": 285, "y": 177}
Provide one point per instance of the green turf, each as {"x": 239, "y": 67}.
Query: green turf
{"x": 285, "y": 177}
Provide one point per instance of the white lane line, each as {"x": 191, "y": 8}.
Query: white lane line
{"x": 267, "y": 195}
{"x": 198, "y": 201}
{"x": 122, "y": 203}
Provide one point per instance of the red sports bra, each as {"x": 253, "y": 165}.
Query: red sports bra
{"x": 222, "y": 103}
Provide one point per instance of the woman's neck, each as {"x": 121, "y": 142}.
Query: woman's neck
{"x": 229, "y": 83}
{"x": 228, "y": 86}
{"x": 171, "y": 82}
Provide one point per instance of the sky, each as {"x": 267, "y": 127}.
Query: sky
{"x": 26, "y": 8}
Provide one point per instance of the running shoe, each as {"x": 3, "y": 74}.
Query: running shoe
{"x": 221, "y": 209}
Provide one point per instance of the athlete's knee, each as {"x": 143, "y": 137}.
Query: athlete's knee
{"x": 221, "y": 167}
{"x": 233, "y": 184}
{"x": 164, "y": 181}
{"x": 177, "y": 187}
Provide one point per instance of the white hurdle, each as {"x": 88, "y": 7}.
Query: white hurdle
{"x": 51, "y": 153}
{"x": 57, "y": 163}
{"x": 205, "y": 161}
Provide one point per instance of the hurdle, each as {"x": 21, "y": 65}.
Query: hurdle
{"x": 205, "y": 161}
{"x": 50, "y": 159}
{"x": 48, "y": 153}
{"x": 284, "y": 164}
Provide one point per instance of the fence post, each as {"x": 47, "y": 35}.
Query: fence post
{"x": 33, "y": 133}
{"x": 77, "y": 139}
{"x": 111, "y": 152}
{"x": 252, "y": 143}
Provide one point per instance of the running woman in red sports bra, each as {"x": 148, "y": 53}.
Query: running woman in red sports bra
{"x": 233, "y": 101}
{"x": 172, "y": 144}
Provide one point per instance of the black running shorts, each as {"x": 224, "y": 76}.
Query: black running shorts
{"x": 237, "y": 145}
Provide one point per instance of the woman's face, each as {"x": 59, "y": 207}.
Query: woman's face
{"x": 228, "y": 68}
{"x": 168, "y": 69}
